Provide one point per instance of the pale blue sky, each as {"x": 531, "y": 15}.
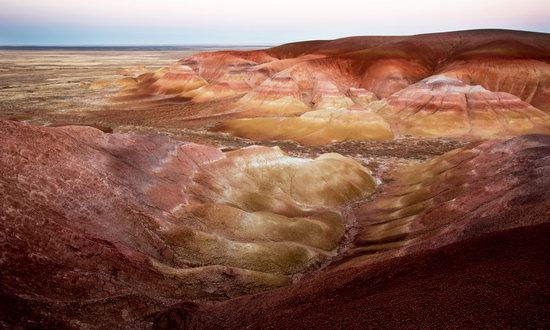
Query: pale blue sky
{"x": 180, "y": 22}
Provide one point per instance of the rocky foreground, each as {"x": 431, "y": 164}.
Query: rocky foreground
{"x": 460, "y": 241}
{"x": 104, "y": 230}
{"x": 93, "y": 222}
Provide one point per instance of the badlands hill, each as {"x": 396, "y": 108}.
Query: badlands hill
{"x": 94, "y": 223}
{"x": 106, "y": 229}
{"x": 121, "y": 230}
{"x": 485, "y": 83}
{"x": 457, "y": 242}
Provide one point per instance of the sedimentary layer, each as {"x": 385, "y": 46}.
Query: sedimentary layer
{"x": 312, "y": 128}
{"x": 443, "y": 106}
{"x": 461, "y": 240}
{"x": 482, "y": 83}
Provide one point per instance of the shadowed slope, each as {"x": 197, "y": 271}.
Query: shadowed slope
{"x": 465, "y": 193}
{"x": 501, "y": 280}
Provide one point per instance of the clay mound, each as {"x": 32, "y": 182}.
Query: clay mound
{"x": 527, "y": 79}
{"x": 361, "y": 96}
{"x": 312, "y": 128}
{"x": 326, "y": 95}
{"x": 442, "y": 106}
{"x": 469, "y": 192}
{"x": 389, "y": 64}
{"x": 233, "y": 83}
{"x": 221, "y": 74}
{"x": 214, "y": 65}
{"x": 440, "y": 42}
{"x": 278, "y": 95}
{"x": 459, "y": 240}
{"x": 176, "y": 79}
{"x": 500, "y": 280}
{"x": 209, "y": 77}
{"x": 279, "y": 65}
{"x": 305, "y": 86}
{"x": 99, "y": 229}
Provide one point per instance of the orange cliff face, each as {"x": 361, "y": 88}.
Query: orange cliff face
{"x": 482, "y": 83}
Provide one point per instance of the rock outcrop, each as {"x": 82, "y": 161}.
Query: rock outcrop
{"x": 101, "y": 230}
{"x": 469, "y": 192}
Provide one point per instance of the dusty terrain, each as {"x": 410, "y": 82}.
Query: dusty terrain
{"x": 34, "y": 83}
{"x": 364, "y": 182}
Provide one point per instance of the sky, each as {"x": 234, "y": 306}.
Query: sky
{"x": 251, "y": 22}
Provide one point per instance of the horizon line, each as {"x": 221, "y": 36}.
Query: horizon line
{"x": 214, "y": 45}
{"x": 136, "y": 45}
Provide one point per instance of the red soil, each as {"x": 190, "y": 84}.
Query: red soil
{"x": 472, "y": 253}
{"x": 501, "y": 280}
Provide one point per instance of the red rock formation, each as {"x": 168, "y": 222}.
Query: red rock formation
{"x": 110, "y": 230}
{"x": 442, "y": 106}
{"x": 512, "y": 67}
{"x": 460, "y": 240}
{"x": 500, "y": 280}
{"x": 486, "y": 187}
{"x": 312, "y": 128}
{"x": 326, "y": 95}
{"x": 278, "y": 95}
{"x": 98, "y": 229}
{"x": 527, "y": 79}
{"x": 361, "y": 96}
{"x": 174, "y": 80}
{"x": 121, "y": 230}
{"x": 233, "y": 83}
